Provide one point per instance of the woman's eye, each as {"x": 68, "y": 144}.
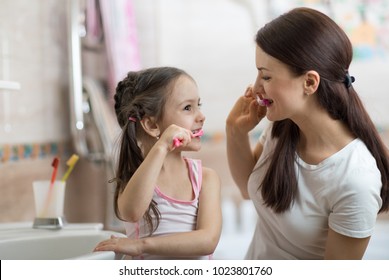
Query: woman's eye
{"x": 263, "y": 76}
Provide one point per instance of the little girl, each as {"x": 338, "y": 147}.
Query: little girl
{"x": 170, "y": 203}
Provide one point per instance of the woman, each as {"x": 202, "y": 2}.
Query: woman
{"x": 318, "y": 176}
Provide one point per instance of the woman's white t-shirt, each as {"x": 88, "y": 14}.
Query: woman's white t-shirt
{"x": 342, "y": 193}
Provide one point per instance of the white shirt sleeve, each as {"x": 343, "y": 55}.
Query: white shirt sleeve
{"x": 357, "y": 202}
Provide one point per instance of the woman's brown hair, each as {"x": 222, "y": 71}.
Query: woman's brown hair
{"x": 305, "y": 39}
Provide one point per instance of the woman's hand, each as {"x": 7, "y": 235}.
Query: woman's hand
{"x": 246, "y": 113}
{"x": 244, "y": 116}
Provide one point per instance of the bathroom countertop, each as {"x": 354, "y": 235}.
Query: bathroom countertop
{"x": 14, "y": 230}
{"x": 72, "y": 226}
{"x": 20, "y": 241}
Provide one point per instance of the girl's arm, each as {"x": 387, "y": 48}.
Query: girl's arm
{"x": 244, "y": 116}
{"x": 137, "y": 195}
{"x": 341, "y": 247}
{"x": 202, "y": 241}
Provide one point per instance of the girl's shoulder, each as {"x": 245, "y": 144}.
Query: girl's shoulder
{"x": 211, "y": 177}
{"x": 209, "y": 172}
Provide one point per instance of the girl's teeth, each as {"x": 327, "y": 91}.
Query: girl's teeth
{"x": 198, "y": 133}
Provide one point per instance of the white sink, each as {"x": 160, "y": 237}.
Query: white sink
{"x": 19, "y": 241}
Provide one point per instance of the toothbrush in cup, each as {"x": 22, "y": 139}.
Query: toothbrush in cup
{"x": 71, "y": 162}
{"x": 177, "y": 142}
{"x": 54, "y": 164}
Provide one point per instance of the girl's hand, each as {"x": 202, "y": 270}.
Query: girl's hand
{"x": 182, "y": 135}
{"x": 246, "y": 113}
{"x": 122, "y": 245}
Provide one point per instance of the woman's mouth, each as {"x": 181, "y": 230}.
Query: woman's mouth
{"x": 264, "y": 102}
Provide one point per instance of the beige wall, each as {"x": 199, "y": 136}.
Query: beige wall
{"x": 34, "y": 121}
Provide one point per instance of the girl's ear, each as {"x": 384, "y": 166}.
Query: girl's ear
{"x": 311, "y": 82}
{"x": 150, "y": 126}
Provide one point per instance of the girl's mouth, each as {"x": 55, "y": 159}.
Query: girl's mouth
{"x": 197, "y": 132}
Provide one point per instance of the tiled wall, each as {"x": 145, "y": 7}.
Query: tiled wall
{"x": 33, "y": 53}
{"x": 33, "y": 125}
{"x": 34, "y": 121}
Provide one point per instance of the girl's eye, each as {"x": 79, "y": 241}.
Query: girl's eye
{"x": 189, "y": 107}
{"x": 266, "y": 78}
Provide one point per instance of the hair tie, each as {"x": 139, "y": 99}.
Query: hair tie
{"x": 348, "y": 80}
{"x": 132, "y": 119}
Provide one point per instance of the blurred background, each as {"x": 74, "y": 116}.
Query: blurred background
{"x": 60, "y": 62}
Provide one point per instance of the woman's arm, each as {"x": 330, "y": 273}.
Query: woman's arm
{"x": 341, "y": 247}
{"x": 244, "y": 116}
{"x": 202, "y": 241}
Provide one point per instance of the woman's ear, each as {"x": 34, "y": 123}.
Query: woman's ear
{"x": 311, "y": 82}
{"x": 150, "y": 126}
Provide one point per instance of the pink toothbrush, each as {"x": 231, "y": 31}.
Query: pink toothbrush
{"x": 263, "y": 102}
{"x": 177, "y": 142}
{"x": 198, "y": 133}
{"x": 54, "y": 175}
{"x": 54, "y": 164}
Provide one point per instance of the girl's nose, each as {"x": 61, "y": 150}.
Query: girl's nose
{"x": 201, "y": 117}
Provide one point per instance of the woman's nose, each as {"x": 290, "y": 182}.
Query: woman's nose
{"x": 257, "y": 88}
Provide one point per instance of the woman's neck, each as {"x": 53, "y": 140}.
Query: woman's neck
{"x": 321, "y": 137}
